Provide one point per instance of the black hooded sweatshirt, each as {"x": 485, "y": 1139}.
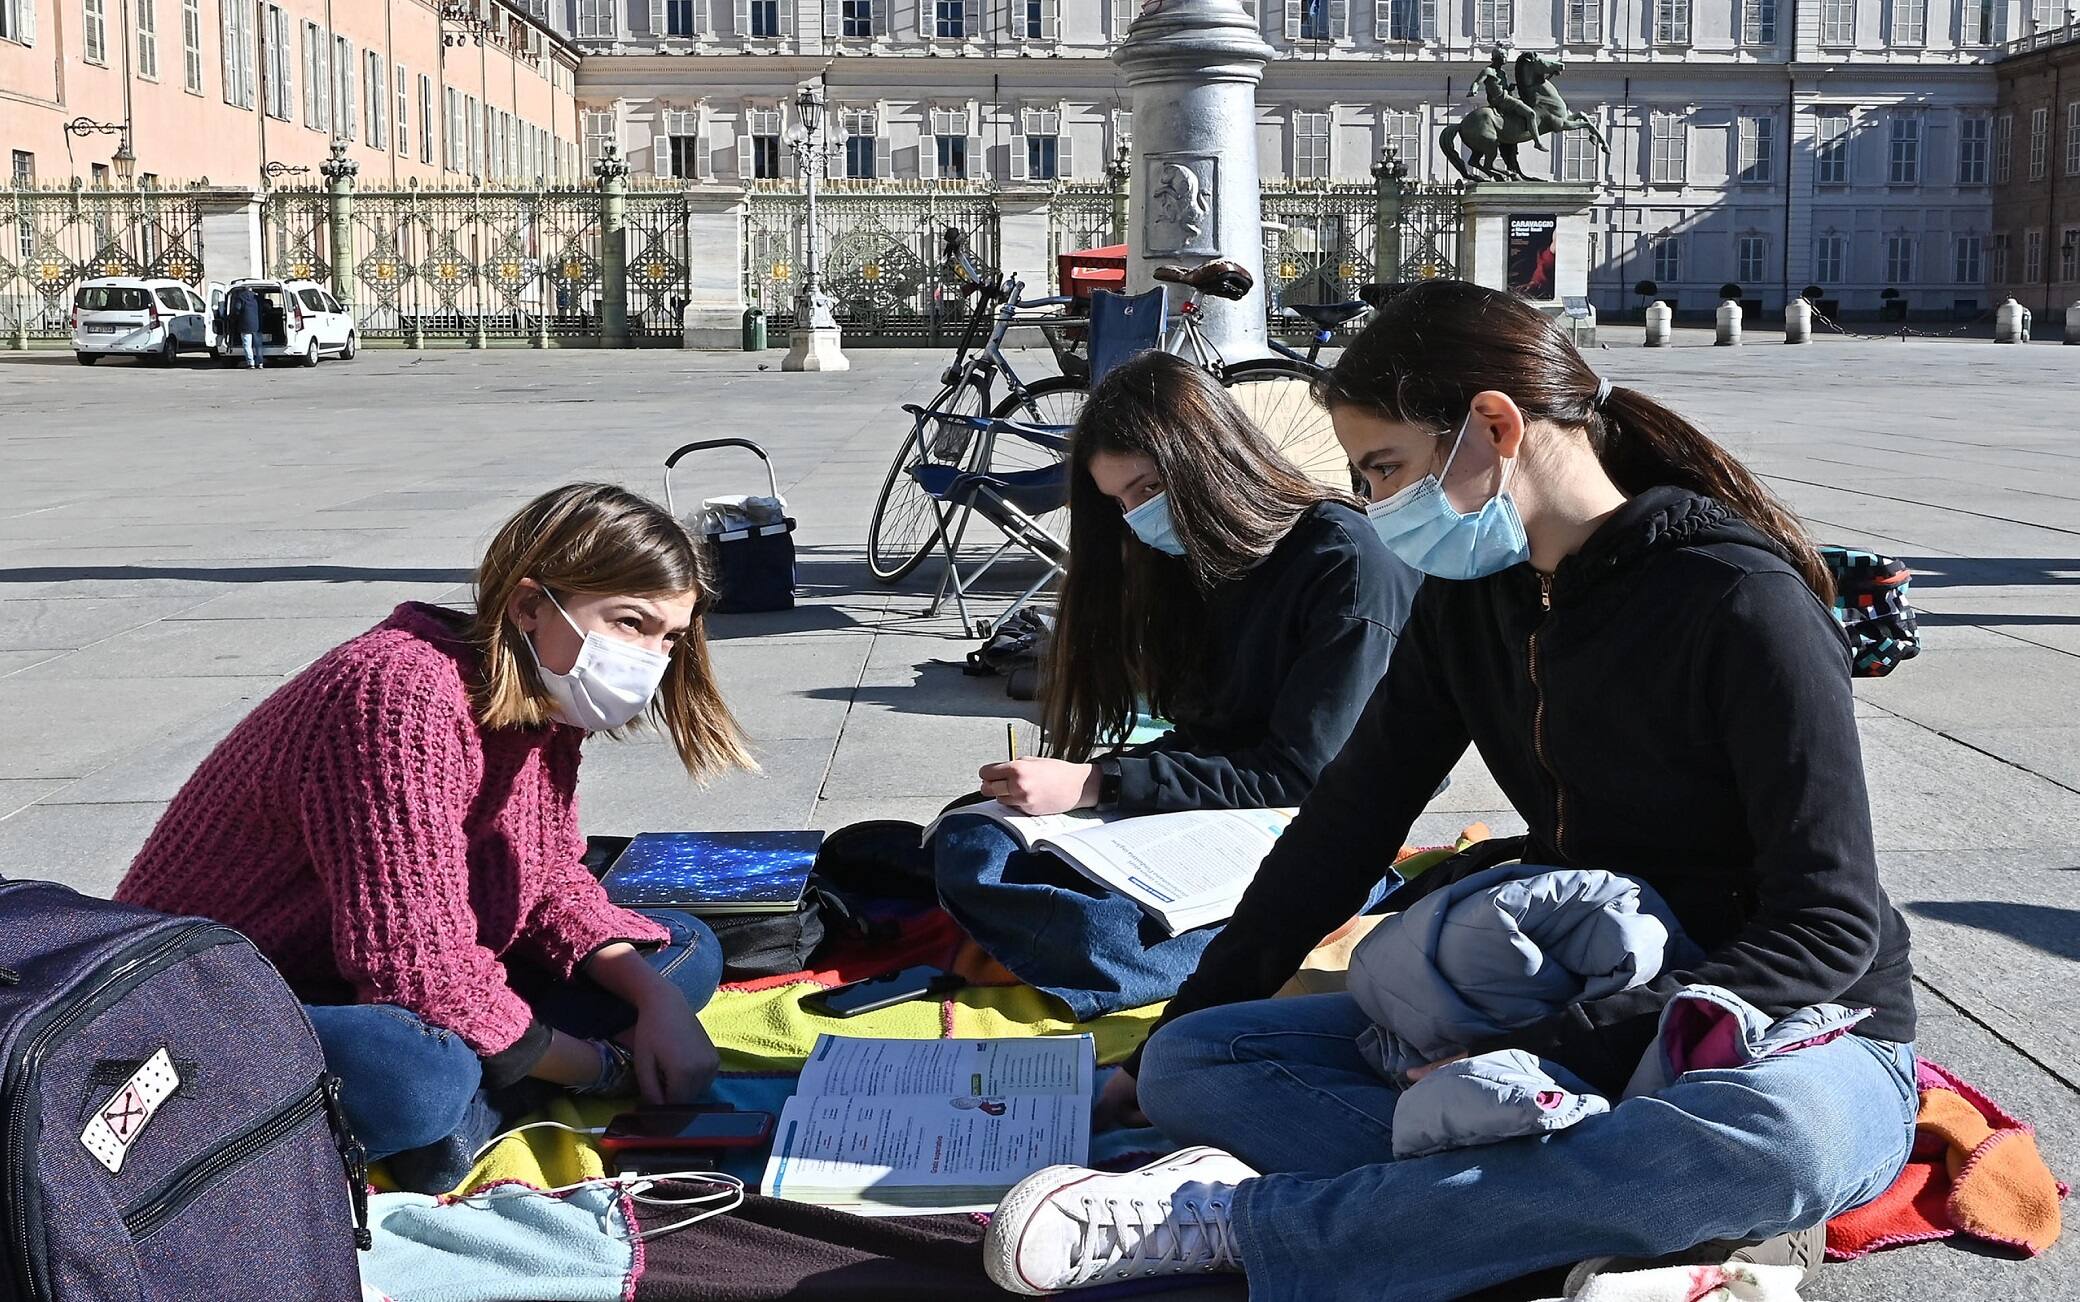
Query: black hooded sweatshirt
{"x": 1674, "y": 704}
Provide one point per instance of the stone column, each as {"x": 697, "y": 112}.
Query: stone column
{"x": 339, "y": 172}
{"x": 714, "y": 316}
{"x": 1389, "y": 174}
{"x": 1194, "y": 66}
{"x": 229, "y": 231}
{"x": 612, "y": 173}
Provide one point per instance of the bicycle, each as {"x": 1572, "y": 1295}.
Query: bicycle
{"x": 949, "y": 430}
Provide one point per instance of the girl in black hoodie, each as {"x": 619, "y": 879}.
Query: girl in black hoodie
{"x": 1636, "y": 637}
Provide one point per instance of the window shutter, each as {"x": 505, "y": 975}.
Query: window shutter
{"x": 786, "y": 8}
{"x": 928, "y": 153}
{"x": 833, "y": 20}
{"x": 1051, "y": 19}
{"x": 879, "y": 12}
{"x": 971, "y": 28}
{"x": 744, "y": 22}
{"x": 1339, "y": 19}
{"x": 1122, "y": 18}
{"x": 657, "y": 23}
{"x": 1383, "y": 19}
{"x": 227, "y": 20}
{"x": 1293, "y": 19}
{"x": 703, "y": 157}
{"x": 1018, "y": 159}
{"x": 744, "y": 172}
{"x": 978, "y": 162}
{"x": 28, "y": 21}
{"x": 884, "y": 160}
{"x": 1062, "y": 170}
{"x": 660, "y": 155}
{"x": 790, "y": 161}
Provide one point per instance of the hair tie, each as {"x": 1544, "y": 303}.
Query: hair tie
{"x": 1603, "y": 393}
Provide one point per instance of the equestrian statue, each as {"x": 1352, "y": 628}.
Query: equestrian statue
{"x": 1512, "y": 116}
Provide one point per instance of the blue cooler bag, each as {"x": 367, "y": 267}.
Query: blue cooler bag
{"x": 750, "y": 537}
{"x": 167, "y": 1126}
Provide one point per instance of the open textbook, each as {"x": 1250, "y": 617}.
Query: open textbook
{"x": 899, "y": 1127}
{"x": 1185, "y": 870}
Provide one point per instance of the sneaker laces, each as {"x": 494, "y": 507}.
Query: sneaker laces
{"x": 1137, "y": 1236}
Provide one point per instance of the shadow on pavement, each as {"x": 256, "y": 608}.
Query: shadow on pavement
{"x": 1991, "y": 571}
{"x": 216, "y": 574}
{"x": 2054, "y": 931}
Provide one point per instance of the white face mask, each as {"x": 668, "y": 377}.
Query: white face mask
{"x": 611, "y": 683}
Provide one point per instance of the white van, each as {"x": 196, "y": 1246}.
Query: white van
{"x": 300, "y": 319}
{"x": 127, "y": 316}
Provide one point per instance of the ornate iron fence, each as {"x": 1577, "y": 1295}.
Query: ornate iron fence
{"x": 52, "y": 239}
{"x": 881, "y": 256}
{"x": 1082, "y": 217}
{"x": 1432, "y": 216}
{"x": 659, "y": 264}
{"x": 440, "y": 263}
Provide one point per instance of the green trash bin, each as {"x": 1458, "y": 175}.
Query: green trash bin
{"x": 754, "y": 330}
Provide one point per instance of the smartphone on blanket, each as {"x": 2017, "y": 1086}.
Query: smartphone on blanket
{"x": 686, "y": 1128}
{"x": 882, "y": 992}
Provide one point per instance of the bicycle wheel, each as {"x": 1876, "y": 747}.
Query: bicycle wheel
{"x": 1278, "y": 394}
{"x": 905, "y": 524}
{"x": 1057, "y": 400}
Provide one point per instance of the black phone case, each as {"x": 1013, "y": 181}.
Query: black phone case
{"x": 896, "y": 994}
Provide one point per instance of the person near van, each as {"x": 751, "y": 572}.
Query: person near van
{"x": 244, "y": 313}
{"x": 396, "y": 828}
{"x": 1216, "y": 585}
{"x": 1636, "y": 637}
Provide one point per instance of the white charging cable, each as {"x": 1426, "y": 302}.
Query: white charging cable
{"x": 728, "y": 1196}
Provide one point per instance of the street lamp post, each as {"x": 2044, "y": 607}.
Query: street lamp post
{"x": 124, "y": 159}
{"x": 814, "y": 343}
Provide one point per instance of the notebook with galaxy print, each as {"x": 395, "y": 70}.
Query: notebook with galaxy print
{"x": 714, "y": 872}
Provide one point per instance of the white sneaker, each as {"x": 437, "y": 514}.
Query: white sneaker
{"x": 1070, "y": 1227}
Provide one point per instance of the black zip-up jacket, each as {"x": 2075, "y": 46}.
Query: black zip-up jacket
{"x": 1294, "y": 649}
{"x": 1674, "y": 705}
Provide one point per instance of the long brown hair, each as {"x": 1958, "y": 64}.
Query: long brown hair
{"x": 1132, "y": 621}
{"x": 1437, "y": 344}
{"x": 597, "y": 539}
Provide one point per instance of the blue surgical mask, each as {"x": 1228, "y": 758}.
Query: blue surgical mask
{"x": 1151, "y": 523}
{"x": 1421, "y": 526}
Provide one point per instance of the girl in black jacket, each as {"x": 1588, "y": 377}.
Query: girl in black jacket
{"x": 1636, "y": 637}
{"x": 1214, "y": 583}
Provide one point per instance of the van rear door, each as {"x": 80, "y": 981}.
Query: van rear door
{"x": 107, "y": 313}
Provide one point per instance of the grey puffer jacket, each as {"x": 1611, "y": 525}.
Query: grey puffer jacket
{"x": 1503, "y": 949}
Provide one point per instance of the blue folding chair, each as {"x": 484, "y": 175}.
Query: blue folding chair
{"x": 1016, "y": 501}
{"x": 1123, "y": 325}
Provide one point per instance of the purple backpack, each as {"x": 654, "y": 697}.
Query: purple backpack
{"x": 167, "y": 1127}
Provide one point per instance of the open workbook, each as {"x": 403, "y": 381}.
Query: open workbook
{"x": 899, "y": 1127}
{"x": 1185, "y": 870}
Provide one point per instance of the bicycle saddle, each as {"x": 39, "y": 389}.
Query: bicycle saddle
{"x": 1328, "y": 315}
{"x": 1220, "y": 278}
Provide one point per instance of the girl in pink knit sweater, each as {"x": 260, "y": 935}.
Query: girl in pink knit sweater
{"x": 396, "y": 827}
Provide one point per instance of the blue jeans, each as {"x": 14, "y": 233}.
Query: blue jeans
{"x": 252, "y": 342}
{"x": 1746, "y": 1153}
{"x": 406, "y": 1084}
{"x": 1053, "y": 927}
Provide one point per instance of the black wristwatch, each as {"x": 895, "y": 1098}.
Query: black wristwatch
{"x": 1108, "y": 782}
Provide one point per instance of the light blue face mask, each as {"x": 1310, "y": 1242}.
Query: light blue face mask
{"x": 1421, "y": 526}
{"x": 1151, "y": 523}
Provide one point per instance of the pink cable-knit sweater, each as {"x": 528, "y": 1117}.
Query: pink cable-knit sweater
{"x": 382, "y": 846}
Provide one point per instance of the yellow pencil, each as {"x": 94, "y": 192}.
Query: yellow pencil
{"x": 1011, "y": 740}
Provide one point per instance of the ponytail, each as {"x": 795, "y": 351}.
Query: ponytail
{"x": 1643, "y": 444}
{"x": 1438, "y": 343}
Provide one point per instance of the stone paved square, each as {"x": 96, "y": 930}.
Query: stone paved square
{"x": 174, "y": 543}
